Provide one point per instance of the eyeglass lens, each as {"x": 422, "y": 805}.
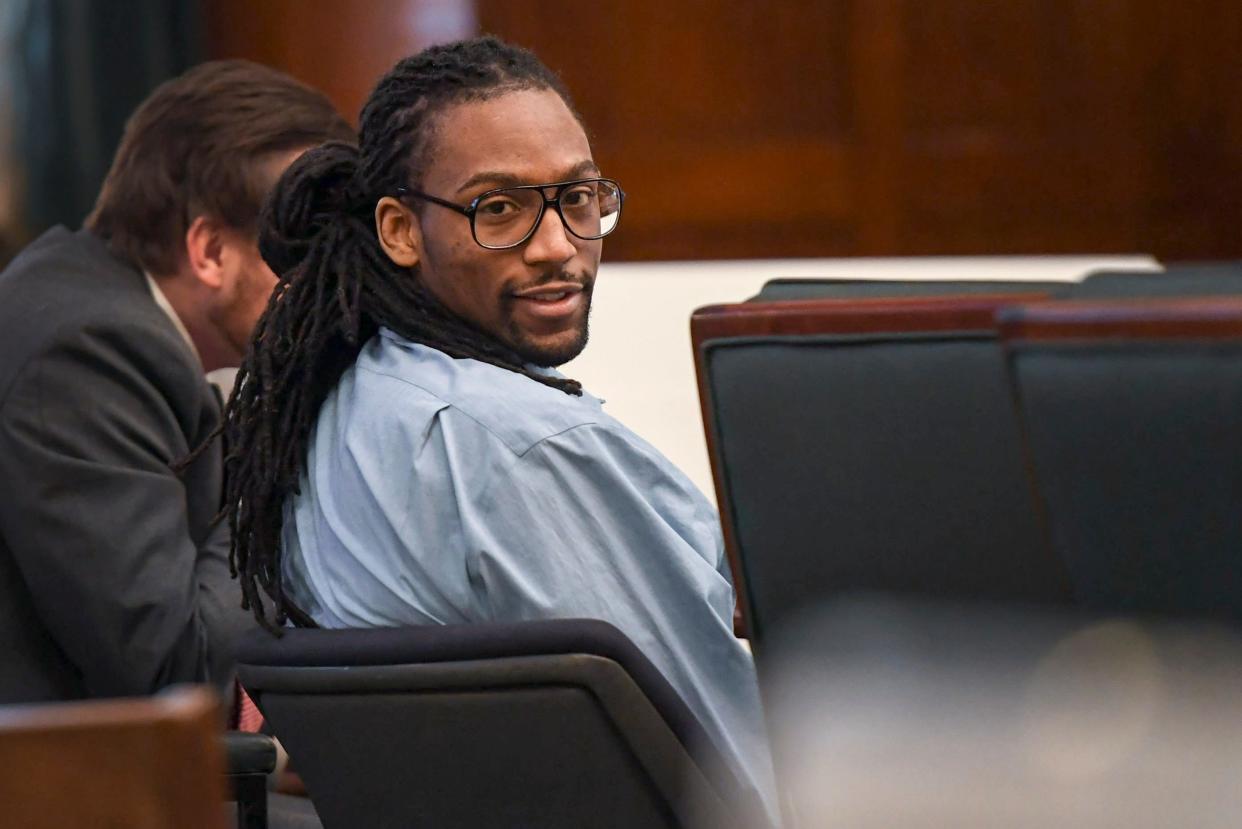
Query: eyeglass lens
{"x": 591, "y": 210}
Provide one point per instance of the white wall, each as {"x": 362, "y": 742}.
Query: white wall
{"x": 639, "y": 357}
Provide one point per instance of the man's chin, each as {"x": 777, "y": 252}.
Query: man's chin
{"x": 554, "y": 352}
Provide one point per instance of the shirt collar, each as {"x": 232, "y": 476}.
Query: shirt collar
{"x": 158, "y": 295}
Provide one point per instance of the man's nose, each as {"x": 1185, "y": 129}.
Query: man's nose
{"x": 551, "y": 242}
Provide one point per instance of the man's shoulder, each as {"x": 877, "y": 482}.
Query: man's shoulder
{"x": 513, "y": 409}
{"x": 64, "y": 276}
{"x": 63, "y": 257}
{"x": 66, "y": 293}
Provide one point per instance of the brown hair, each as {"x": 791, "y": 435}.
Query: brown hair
{"x": 201, "y": 144}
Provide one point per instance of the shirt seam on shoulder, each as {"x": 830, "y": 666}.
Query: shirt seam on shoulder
{"x": 470, "y": 417}
{"x": 403, "y": 380}
{"x": 521, "y": 456}
{"x": 548, "y": 438}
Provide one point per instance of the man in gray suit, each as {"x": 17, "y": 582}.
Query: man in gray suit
{"x": 114, "y": 577}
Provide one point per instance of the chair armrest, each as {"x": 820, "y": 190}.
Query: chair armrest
{"x": 247, "y": 753}
{"x": 249, "y": 759}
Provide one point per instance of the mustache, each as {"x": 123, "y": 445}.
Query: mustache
{"x": 584, "y": 281}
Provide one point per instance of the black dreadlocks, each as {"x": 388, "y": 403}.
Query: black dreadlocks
{"x": 337, "y": 287}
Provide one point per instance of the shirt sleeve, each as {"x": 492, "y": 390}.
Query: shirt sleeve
{"x": 97, "y": 520}
{"x": 592, "y": 523}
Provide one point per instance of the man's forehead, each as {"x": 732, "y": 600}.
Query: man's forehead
{"x": 528, "y": 135}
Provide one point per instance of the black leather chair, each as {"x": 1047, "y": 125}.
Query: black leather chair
{"x": 1217, "y": 279}
{"x": 783, "y": 289}
{"x": 868, "y": 446}
{"x": 551, "y": 724}
{"x": 1133, "y": 412}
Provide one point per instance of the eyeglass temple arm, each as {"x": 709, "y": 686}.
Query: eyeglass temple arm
{"x": 409, "y": 191}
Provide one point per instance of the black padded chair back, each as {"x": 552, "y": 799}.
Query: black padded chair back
{"x": 783, "y": 289}
{"x": 1134, "y": 419}
{"x": 1222, "y": 279}
{"x": 881, "y": 456}
{"x": 552, "y": 724}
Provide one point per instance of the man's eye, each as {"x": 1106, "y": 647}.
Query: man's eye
{"x": 578, "y": 197}
{"x": 498, "y": 207}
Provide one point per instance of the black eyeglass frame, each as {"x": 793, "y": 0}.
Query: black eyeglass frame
{"x": 554, "y": 200}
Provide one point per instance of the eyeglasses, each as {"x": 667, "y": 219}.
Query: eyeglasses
{"x": 590, "y": 208}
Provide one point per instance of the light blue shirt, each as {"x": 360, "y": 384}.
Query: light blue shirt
{"x": 445, "y": 490}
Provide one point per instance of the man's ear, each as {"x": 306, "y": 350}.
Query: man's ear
{"x": 204, "y": 249}
{"x": 399, "y": 232}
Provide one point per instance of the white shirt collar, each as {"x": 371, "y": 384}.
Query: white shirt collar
{"x": 158, "y": 295}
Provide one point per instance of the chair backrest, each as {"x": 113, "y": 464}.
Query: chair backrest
{"x": 868, "y": 445}
{"x": 1217, "y": 279}
{"x": 547, "y": 723}
{"x": 784, "y": 289}
{"x": 151, "y": 763}
{"x": 1133, "y": 413}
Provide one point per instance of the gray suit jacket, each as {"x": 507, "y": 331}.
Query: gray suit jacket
{"x": 113, "y": 577}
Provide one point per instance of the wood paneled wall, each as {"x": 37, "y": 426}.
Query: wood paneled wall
{"x": 339, "y": 47}
{"x": 854, "y": 127}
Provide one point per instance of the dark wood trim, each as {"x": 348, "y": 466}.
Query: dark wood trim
{"x": 822, "y": 316}
{"x": 851, "y": 316}
{"x": 1138, "y": 319}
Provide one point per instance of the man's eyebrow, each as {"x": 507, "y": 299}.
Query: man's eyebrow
{"x": 501, "y": 179}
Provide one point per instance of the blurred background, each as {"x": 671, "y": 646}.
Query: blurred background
{"x": 740, "y": 129}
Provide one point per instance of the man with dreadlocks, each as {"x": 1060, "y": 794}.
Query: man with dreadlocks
{"x": 114, "y": 575}
{"x": 403, "y": 452}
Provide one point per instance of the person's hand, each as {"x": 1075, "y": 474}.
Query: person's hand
{"x": 290, "y": 782}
